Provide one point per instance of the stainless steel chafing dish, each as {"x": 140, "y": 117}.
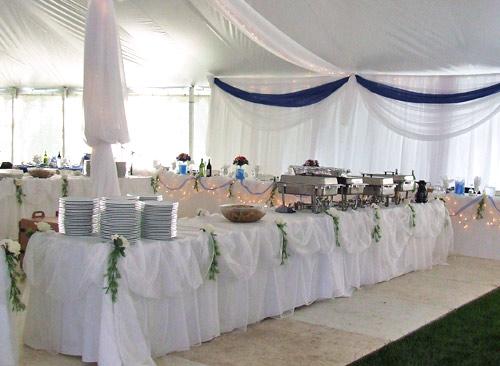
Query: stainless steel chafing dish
{"x": 351, "y": 186}
{"x": 405, "y": 183}
{"x": 380, "y": 188}
{"x": 320, "y": 189}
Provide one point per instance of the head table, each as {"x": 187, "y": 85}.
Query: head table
{"x": 166, "y": 301}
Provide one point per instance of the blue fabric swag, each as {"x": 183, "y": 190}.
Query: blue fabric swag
{"x": 300, "y": 98}
{"x": 414, "y": 97}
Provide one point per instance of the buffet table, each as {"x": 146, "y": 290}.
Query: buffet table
{"x": 166, "y": 303}
{"x": 475, "y": 237}
{"x": 43, "y": 194}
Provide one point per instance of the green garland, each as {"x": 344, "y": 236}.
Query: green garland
{"x": 19, "y": 191}
{"x": 336, "y": 224}
{"x": 230, "y": 190}
{"x": 480, "y": 208}
{"x": 113, "y": 274}
{"x": 413, "y": 216}
{"x": 14, "y": 292}
{"x": 284, "y": 241}
{"x": 270, "y": 200}
{"x": 213, "y": 270}
{"x": 155, "y": 183}
{"x": 377, "y": 230}
{"x": 64, "y": 187}
{"x": 196, "y": 186}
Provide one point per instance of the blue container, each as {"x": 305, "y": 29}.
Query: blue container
{"x": 183, "y": 168}
{"x": 240, "y": 173}
{"x": 460, "y": 186}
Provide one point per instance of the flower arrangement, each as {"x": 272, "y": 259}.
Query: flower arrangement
{"x": 413, "y": 216}
{"x": 240, "y": 160}
{"x": 43, "y": 227}
{"x": 120, "y": 243}
{"x": 311, "y": 162}
{"x": 214, "y": 248}
{"x": 281, "y": 224}
{"x": 183, "y": 157}
{"x": 12, "y": 250}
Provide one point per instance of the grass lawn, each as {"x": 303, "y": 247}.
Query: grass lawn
{"x": 469, "y": 335}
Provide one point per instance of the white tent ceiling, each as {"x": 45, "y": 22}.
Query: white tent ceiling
{"x": 179, "y": 42}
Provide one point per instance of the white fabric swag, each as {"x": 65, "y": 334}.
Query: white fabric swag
{"x": 103, "y": 95}
{"x": 354, "y": 128}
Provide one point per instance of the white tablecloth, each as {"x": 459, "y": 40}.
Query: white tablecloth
{"x": 8, "y": 340}
{"x": 475, "y": 237}
{"x": 165, "y": 302}
{"x": 43, "y": 194}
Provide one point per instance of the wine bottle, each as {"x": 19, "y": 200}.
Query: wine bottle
{"x": 209, "y": 169}
{"x": 201, "y": 169}
{"x": 45, "y": 158}
{"x": 59, "y": 159}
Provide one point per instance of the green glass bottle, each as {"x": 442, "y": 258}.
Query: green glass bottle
{"x": 201, "y": 169}
{"x": 45, "y": 159}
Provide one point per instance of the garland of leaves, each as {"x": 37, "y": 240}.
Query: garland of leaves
{"x": 284, "y": 240}
{"x": 413, "y": 216}
{"x": 270, "y": 200}
{"x": 336, "y": 224}
{"x": 19, "y": 191}
{"x": 155, "y": 183}
{"x": 213, "y": 270}
{"x": 230, "y": 190}
{"x": 196, "y": 186}
{"x": 377, "y": 230}
{"x": 64, "y": 187}
{"x": 12, "y": 258}
{"x": 113, "y": 274}
{"x": 480, "y": 208}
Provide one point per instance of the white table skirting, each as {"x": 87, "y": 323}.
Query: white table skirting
{"x": 165, "y": 302}
{"x": 8, "y": 339}
{"x": 475, "y": 237}
{"x": 43, "y": 194}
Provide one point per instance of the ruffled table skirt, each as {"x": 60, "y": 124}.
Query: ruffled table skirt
{"x": 166, "y": 303}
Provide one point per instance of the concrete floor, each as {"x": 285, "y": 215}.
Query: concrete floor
{"x": 338, "y": 331}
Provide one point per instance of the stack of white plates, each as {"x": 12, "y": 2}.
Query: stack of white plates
{"x": 159, "y": 220}
{"x": 120, "y": 216}
{"x": 158, "y": 197}
{"x": 78, "y": 216}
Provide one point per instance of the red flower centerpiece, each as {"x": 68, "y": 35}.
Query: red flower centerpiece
{"x": 183, "y": 157}
{"x": 240, "y": 172}
{"x": 311, "y": 162}
{"x": 240, "y": 161}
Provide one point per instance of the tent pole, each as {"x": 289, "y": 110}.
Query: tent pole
{"x": 191, "y": 120}
{"x": 64, "y": 95}
{"x": 13, "y": 96}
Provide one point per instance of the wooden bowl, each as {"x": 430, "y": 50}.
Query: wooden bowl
{"x": 242, "y": 213}
{"x": 41, "y": 172}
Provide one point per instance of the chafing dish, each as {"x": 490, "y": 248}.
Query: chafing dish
{"x": 405, "y": 183}
{"x": 351, "y": 186}
{"x": 319, "y": 171}
{"x": 379, "y": 188}
{"x": 320, "y": 189}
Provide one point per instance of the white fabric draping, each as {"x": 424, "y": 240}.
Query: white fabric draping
{"x": 103, "y": 95}
{"x": 356, "y": 129}
{"x": 475, "y": 237}
{"x": 166, "y": 303}
{"x": 8, "y": 338}
{"x": 267, "y": 36}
